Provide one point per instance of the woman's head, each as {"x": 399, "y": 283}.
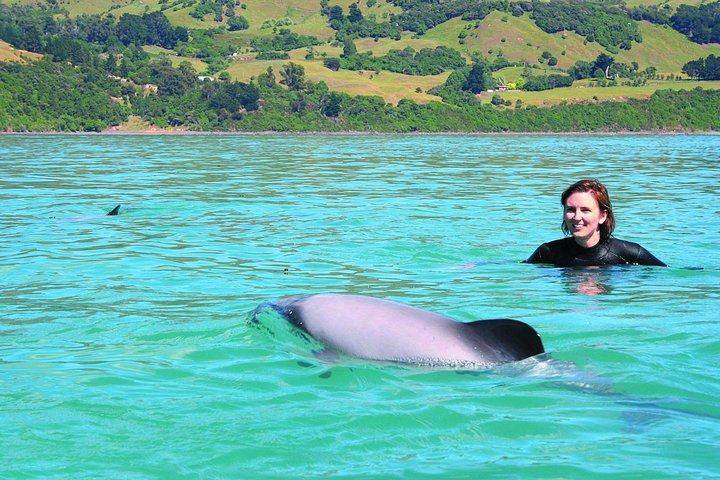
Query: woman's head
{"x": 602, "y": 217}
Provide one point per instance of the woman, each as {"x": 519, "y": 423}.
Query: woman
{"x": 589, "y": 219}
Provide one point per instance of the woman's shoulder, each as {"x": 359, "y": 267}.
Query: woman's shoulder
{"x": 559, "y": 245}
{"x": 633, "y": 252}
{"x": 549, "y": 251}
{"x": 619, "y": 245}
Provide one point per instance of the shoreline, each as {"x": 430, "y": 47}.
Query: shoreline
{"x": 160, "y": 132}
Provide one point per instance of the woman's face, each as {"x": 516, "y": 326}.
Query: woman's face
{"x": 583, "y": 218}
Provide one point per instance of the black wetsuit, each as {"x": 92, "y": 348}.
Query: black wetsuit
{"x": 567, "y": 253}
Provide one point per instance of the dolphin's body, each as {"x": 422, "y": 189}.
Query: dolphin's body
{"x": 85, "y": 218}
{"x": 377, "y": 329}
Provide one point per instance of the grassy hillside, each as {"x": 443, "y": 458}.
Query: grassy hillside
{"x": 673, "y": 3}
{"x": 665, "y": 49}
{"x": 382, "y": 46}
{"x": 8, "y": 53}
{"x": 393, "y": 87}
{"x": 516, "y": 38}
{"x": 582, "y": 92}
{"x": 117, "y": 7}
{"x": 198, "y": 64}
{"x": 519, "y": 39}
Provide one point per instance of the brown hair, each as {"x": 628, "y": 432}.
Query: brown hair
{"x": 597, "y": 190}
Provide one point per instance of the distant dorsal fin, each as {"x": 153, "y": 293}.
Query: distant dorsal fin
{"x": 114, "y": 211}
{"x": 516, "y": 338}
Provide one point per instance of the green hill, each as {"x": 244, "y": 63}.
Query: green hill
{"x": 518, "y": 39}
{"x": 511, "y": 42}
{"x": 665, "y": 49}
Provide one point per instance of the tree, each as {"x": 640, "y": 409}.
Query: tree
{"x": 299, "y": 103}
{"x": 65, "y": 49}
{"x": 160, "y": 31}
{"x": 111, "y": 63}
{"x": 335, "y": 13}
{"x": 224, "y": 100}
{"x": 131, "y": 29}
{"x": 355, "y": 15}
{"x": 188, "y": 73}
{"x": 700, "y": 24}
{"x": 712, "y": 68}
{"x": 293, "y": 75}
{"x": 238, "y": 22}
{"x": 172, "y": 81}
{"x": 476, "y": 79}
{"x": 547, "y": 82}
{"x": 267, "y": 79}
{"x": 603, "y": 63}
{"x": 693, "y": 68}
{"x": 94, "y": 28}
{"x": 125, "y": 67}
{"x": 331, "y": 105}
{"x": 249, "y": 96}
{"x": 703, "y": 68}
{"x": 349, "y": 48}
{"x": 332, "y": 63}
{"x": 149, "y": 29}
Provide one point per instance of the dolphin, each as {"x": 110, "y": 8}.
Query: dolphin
{"x": 84, "y": 218}
{"x": 378, "y": 329}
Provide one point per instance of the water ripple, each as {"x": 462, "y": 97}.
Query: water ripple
{"x": 125, "y": 351}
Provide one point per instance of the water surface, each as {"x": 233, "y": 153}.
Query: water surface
{"x": 124, "y": 351}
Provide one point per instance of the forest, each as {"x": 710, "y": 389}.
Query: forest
{"x": 96, "y": 74}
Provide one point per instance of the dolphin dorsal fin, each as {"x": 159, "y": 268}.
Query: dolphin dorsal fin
{"x": 517, "y": 338}
{"x": 114, "y": 211}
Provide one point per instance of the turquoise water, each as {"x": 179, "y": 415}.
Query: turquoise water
{"x": 124, "y": 351}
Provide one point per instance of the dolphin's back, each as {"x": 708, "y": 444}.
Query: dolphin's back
{"x": 379, "y": 329}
